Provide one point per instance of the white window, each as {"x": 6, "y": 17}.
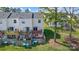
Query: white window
{"x": 0, "y": 21}
{"x": 27, "y": 29}
{"x": 35, "y": 28}
{"x": 11, "y": 28}
{"x": 39, "y": 21}
{"x": 23, "y": 22}
{"x": 15, "y": 21}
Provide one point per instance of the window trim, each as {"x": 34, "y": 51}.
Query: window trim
{"x": 39, "y": 21}
{"x": 35, "y": 28}
{"x": 1, "y": 22}
{"x": 11, "y": 28}
{"x": 23, "y": 22}
{"x": 27, "y": 29}
{"x": 14, "y": 21}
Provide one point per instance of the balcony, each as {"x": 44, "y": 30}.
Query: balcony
{"x": 37, "y": 34}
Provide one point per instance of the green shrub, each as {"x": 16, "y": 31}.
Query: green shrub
{"x": 49, "y": 34}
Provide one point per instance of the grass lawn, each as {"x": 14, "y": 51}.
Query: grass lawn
{"x": 45, "y": 47}
{"x": 64, "y": 34}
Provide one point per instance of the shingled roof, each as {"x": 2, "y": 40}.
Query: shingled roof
{"x": 19, "y": 15}
{"x": 4, "y": 14}
{"x": 38, "y": 15}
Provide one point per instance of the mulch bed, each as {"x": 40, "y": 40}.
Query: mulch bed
{"x": 53, "y": 44}
{"x": 73, "y": 42}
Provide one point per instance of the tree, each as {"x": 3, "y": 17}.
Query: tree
{"x": 10, "y": 9}
{"x": 50, "y": 15}
{"x": 71, "y": 11}
{"x": 55, "y": 24}
{"x": 13, "y": 9}
{"x": 62, "y": 19}
{"x": 18, "y": 10}
{"x": 5, "y": 9}
{"x": 27, "y": 11}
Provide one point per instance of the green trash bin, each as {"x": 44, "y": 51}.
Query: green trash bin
{"x": 34, "y": 42}
{"x": 26, "y": 45}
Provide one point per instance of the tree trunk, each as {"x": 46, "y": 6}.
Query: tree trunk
{"x": 55, "y": 31}
{"x": 70, "y": 35}
{"x": 55, "y": 24}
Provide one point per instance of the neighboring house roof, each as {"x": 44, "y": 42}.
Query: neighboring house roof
{"x": 38, "y": 15}
{"x": 19, "y": 15}
{"x": 4, "y": 14}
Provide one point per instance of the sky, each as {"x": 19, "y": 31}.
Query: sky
{"x": 32, "y": 9}
{"x": 35, "y": 9}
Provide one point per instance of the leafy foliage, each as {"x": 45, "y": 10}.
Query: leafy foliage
{"x": 10, "y": 9}
{"x": 49, "y": 34}
{"x": 27, "y": 11}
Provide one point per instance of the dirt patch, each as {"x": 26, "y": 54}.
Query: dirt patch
{"x": 53, "y": 44}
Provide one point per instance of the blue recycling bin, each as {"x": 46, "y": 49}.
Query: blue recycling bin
{"x": 26, "y": 45}
{"x": 34, "y": 42}
{"x": 13, "y": 43}
{"x": 5, "y": 42}
{"x": 23, "y": 44}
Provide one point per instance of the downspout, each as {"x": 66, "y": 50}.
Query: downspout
{"x": 7, "y": 20}
{"x": 32, "y": 25}
{"x": 32, "y": 20}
